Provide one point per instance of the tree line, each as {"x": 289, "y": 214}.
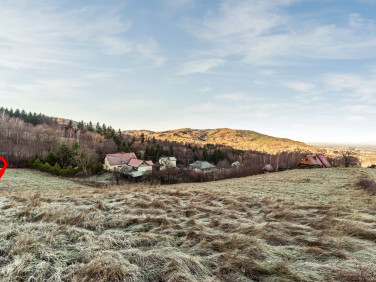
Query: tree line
{"x": 78, "y": 144}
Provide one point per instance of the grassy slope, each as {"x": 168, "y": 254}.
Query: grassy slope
{"x": 294, "y": 225}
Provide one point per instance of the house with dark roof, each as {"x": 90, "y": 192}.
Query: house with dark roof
{"x": 131, "y": 173}
{"x": 202, "y": 166}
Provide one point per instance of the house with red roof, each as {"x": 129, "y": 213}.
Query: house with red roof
{"x": 116, "y": 161}
{"x": 317, "y": 160}
{"x": 141, "y": 165}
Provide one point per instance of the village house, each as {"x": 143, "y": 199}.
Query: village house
{"x": 167, "y": 162}
{"x": 317, "y": 160}
{"x": 135, "y": 169}
{"x": 116, "y": 161}
{"x": 202, "y": 166}
{"x": 141, "y": 165}
{"x": 131, "y": 173}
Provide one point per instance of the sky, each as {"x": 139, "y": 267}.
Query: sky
{"x": 300, "y": 69}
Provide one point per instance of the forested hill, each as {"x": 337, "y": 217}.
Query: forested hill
{"x": 55, "y": 143}
{"x": 237, "y": 139}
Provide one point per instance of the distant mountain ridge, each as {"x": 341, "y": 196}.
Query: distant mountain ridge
{"x": 237, "y": 139}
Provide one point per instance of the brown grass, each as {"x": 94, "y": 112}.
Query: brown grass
{"x": 273, "y": 227}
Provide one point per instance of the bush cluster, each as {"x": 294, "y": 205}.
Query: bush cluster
{"x": 56, "y": 169}
{"x": 67, "y": 171}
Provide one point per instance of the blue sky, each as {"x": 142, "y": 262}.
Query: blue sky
{"x": 299, "y": 69}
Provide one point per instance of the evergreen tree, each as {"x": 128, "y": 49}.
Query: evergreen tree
{"x": 90, "y": 127}
{"x": 142, "y": 138}
{"x": 147, "y": 152}
{"x": 126, "y": 147}
{"x": 64, "y": 155}
{"x": 98, "y": 129}
{"x": 205, "y": 155}
{"x": 104, "y": 130}
{"x": 69, "y": 125}
{"x": 17, "y": 113}
{"x": 52, "y": 158}
{"x": 80, "y": 125}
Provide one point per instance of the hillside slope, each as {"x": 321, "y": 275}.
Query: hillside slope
{"x": 297, "y": 225}
{"x": 238, "y": 139}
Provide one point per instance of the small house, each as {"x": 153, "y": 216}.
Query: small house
{"x": 131, "y": 173}
{"x": 202, "y": 166}
{"x": 167, "y": 162}
{"x": 141, "y": 165}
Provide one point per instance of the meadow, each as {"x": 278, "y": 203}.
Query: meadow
{"x": 298, "y": 225}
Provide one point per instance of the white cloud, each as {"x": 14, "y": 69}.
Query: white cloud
{"x": 201, "y": 66}
{"x": 148, "y": 50}
{"x": 299, "y": 85}
{"x": 265, "y": 33}
{"x": 361, "y": 88}
{"x": 237, "y": 97}
{"x": 115, "y": 45}
{"x": 267, "y": 72}
{"x": 356, "y": 118}
{"x": 204, "y": 89}
{"x": 46, "y": 36}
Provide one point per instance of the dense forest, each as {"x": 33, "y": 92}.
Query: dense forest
{"x": 24, "y": 137}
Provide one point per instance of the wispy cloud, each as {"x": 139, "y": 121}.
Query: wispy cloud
{"x": 47, "y": 35}
{"x": 300, "y": 85}
{"x": 148, "y": 50}
{"x": 264, "y": 33}
{"x": 115, "y": 46}
{"x": 201, "y": 66}
{"x": 237, "y": 97}
{"x": 362, "y": 88}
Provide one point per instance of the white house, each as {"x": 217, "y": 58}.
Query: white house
{"x": 141, "y": 165}
{"x": 167, "y": 162}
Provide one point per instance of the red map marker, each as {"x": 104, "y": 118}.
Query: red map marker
{"x": 4, "y": 168}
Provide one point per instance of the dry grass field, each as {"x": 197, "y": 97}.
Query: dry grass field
{"x": 300, "y": 225}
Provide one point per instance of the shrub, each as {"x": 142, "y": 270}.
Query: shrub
{"x": 96, "y": 168}
{"x": 69, "y": 171}
{"x": 51, "y": 158}
{"x": 47, "y": 167}
{"x": 34, "y": 158}
{"x": 37, "y": 163}
{"x": 56, "y": 169}
{"x": 367, "y": 185}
